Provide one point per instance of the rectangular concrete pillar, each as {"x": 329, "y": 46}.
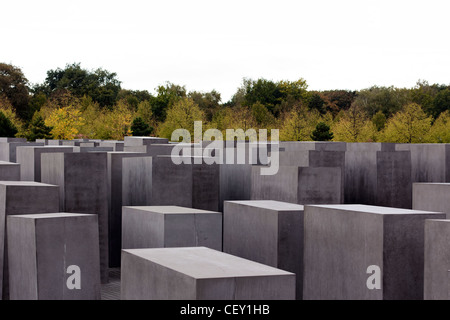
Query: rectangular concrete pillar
{"x": 432, "y": 197}
{"x": 47, "y": 252}
{"x": 8, "y": 149}
{"x": 17, "y": 198}
{"x": 116, "y": 145}
{"x": 437, "y": 259}
{"x": 9, "y": 171}
{"x": 376, "y": 174}
{"x": 30, "y": 160}
{"x": 300, "y": 185}
{"x": 352, "y": 250}
{"x": 200, "y": 274}
{"x": 268, "y": 232}
{"x": 83, "y": 179}
{"x": 170, "y": 226}
{"x": 115, "y": 176}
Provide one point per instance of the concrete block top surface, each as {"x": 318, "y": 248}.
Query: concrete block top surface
{"x": 13, "y": 140}
{"x": 172, "y": 210}
{"x": 51, "y": 216}
{"x": 373, "y": 209}
{"x": 270, "y": 204}
{"x": 6, "y": 163}
{"x": 25, "y": 184}
{"x": 205, "y": 263}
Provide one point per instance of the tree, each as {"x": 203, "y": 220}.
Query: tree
{"x": 379, "y": 120}
{"x": 101, "y": 85}
{"x": 411, "y": 125}
{"x": 140, "y": 128}
{"x": 322, "y": 133}
{"x": 440, "y": 131}
{"x": 208, "y": 102}
{"x": 38, "y": 129}
{"x": 181, "y": 115}
{"x": 65, "y": 123}
{"x": 299, "y": 124}
{"x": 353, "y": 125}
{"x": 14, "y": 86}
{"x": 262, "y": 116}
{"x": 389, "y": 100}
{"x": 167, "y": 96}
{"x": 7, "y": 128}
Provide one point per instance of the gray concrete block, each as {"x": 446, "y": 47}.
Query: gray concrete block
{"x": 268, "y": 232}
{"x": 170, "y": 226}
{"x": 30, "y": 160}
{"x": 8, "y": 149}
{"x": 429, "y": 162}
{"x": 300, "y": 185}
{"x": 313, "y": 145}
{"x": 83, "y": 181}
{"x": 9, "y": 171}
{"x": 235, "y": 183}
{"x": 116, "y": 145}
{"x": 342, "y": 241}
{"x": 115, "y": 203}
{"x": 375, "y": 175}
{"x": 92, "y": 149}
{"x": 41, "y": 247}
{"x": 143, "y": 141}
{"x": 432, "y": 197}
{"x": 9, "y": 140}
{"x": 437, "y": 259}
{"x": 54, "y": 142}
{"x": 137, "y": 181}
{"x": 185, "y": 185}
{"x": 17, "y": 198}
{"x": 200, "y": 274}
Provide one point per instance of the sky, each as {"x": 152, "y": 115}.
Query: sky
{"x": 214, "y": 44}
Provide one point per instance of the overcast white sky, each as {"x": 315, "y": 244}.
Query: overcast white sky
{"x": 213, "y": 44}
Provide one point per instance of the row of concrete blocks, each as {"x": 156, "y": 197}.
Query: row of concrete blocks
{"x": 330, "y": 248}
{"x": 338, "y": 242}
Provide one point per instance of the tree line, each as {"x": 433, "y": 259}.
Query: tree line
{"x": 74, "y": 102}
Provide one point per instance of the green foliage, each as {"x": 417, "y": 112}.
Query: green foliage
{"x": 208, "y": 102}
{"x": 14, "y": 86}
{"x": 262, "y": 116}
{"x": 101, "y": 85}
{"x": 167, "y": 96}
{"x": 7, "y": 128}
{"x": 38, "y": 129}
{"x": 379, "y": 120}
{"x": 140, "y": 128}
{"x": 322, "y": 133}
{"x": 388, "y": 100}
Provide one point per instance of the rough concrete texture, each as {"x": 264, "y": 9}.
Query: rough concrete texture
{"x": 437, "y": 259}
{"x": 376, "y": 174}
{"x": 137, "y": 181}
{"x": 115, "y": 176}
{"x": 9, "y": 171}
{"x": 429, "y": 162}
{"x": 432, "y": 197}
{"x": 30, "y": 160}
{"x": 17, "y": 198}
{"x": 8, "y": 149}
{"x": 300, "y": 185}
{"x": 170, "y": 226}
{"x": 235, "y": 183}
{"x": 185, "y": 185}
{"x": 268, "y": 232}
{"x": 42, "y": 247}
{"x": 116, "y": 145}
{"x": 342, "y": 241}
{"x": 200, "y": 274}
{"x": 143, "y": 141}
{"x": 83, "y": 181}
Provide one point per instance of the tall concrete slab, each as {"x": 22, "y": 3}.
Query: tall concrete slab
{"x": 83, "y": 181}
{"x": 9, "y": 171}
{"x": 432, "y": 197}
{"x": 8, "y": 149}
{"x": 300, "y": 185}
{"x": 116, "y": 145}
{"x": 346, "y": 244}
{"x": 200, "y": 274}
{"x": 429, "y": 162}
{"x": 43, "y": 249}
{"x": 115, "y": 176}
{"x": 170, "y": 226}
{"x": 17, "y": 198}
{"x": 30, "y": 160}
{"x": 376, "y": 174}
{"x": 268, "y": 232}
{"x": 437, "y": 259}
